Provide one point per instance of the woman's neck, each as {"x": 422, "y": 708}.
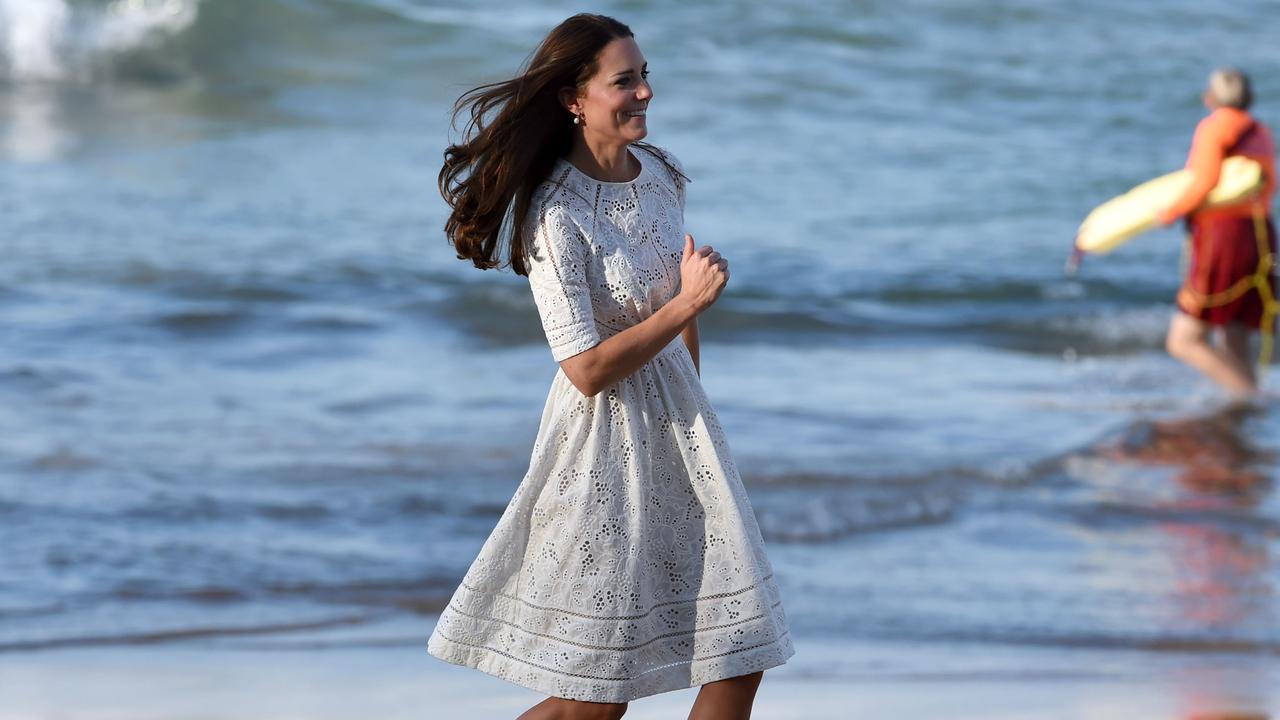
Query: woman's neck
{"x": 606, "y": 162}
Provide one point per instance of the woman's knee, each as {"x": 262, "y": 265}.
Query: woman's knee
{"x": 565, "y": 709}
{"x": 610, "y": 711}
{"x": 596, "y": 711}
{"x": 747, "y": 682}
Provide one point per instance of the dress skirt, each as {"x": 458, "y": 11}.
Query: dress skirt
{"x": 629, "y": 561}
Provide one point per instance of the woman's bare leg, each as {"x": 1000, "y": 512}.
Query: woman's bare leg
{"x": 561, "y": 709}
{"x": 1188, "y": 341}
{"x": 728, "y": 699}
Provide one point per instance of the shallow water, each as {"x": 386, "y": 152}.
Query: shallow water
{"x": 246, "y": 386}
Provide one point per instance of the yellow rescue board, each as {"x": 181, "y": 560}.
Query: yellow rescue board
{"x": 1120, "y": 219}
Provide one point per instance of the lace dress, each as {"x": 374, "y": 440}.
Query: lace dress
{"x": 629, "y": 561}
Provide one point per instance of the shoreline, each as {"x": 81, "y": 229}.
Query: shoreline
{"x": 387, "y": 674}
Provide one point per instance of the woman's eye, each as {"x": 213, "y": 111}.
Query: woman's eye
{"x": 644, "y": 74}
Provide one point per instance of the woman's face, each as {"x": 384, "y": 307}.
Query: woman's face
{"x": 612, "y": 104}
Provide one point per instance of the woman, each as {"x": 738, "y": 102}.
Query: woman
{"x": 1222, "y": 289}
{"x": 629, "y": 561}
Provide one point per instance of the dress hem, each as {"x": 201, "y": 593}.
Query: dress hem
{"x": 677, "y": 676}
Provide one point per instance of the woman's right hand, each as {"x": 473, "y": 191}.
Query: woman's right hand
{"x": 703, "y": 274}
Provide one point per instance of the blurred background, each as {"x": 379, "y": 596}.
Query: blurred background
{"x": 249, "y": 399}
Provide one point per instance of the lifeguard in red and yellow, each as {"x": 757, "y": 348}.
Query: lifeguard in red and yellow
{"x": 1232, "y": 247}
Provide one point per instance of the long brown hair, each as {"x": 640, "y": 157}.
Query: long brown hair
{"x": 514, "y": 132}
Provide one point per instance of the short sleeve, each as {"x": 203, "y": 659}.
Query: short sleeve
{"x": 557, "y": 266}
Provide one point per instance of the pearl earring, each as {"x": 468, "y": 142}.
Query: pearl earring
{"x": 577, "y": 120}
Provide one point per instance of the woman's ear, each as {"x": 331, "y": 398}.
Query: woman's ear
{"x": 569, "y": 100}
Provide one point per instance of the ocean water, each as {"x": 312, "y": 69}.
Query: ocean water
{"x": 246, "y": 390}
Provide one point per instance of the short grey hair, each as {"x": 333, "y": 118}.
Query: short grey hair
{"x": 1230, "y": 87}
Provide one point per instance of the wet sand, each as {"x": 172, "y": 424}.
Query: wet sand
{"x": 386, "y": 673}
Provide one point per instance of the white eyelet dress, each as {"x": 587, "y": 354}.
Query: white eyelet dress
{"x": 629, "y": 561}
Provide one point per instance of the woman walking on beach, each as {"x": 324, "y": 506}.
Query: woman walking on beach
{"x": 1231, "y": 247}
{"x": 629, "y": 561}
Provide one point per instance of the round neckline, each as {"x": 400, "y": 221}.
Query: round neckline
{"x": 620, "y": 183}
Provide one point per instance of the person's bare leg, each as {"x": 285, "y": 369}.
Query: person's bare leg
{"x": 555, "y": 708}
{"x": 1188, "y": 341}
{"x": 728, "y": 699}
{"x": 1235, "y": 344}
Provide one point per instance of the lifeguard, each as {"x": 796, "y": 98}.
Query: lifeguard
{"x": 1230, "y": 281}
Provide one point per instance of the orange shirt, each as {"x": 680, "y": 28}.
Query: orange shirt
{"x": 1216, "y": 135}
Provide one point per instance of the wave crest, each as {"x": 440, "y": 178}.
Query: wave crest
{"x": 54, "y": 41}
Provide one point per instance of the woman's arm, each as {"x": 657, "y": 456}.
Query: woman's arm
{"x": 690, "y": 336}
{"x": 619, "y": 356}
{"x": 703, "y": 275}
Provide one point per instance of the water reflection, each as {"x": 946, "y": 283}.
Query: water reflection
{"x": 1223, "y": 585}
{"x": 1213, "y": 455}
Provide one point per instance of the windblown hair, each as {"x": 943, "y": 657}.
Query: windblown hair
{"x": 514, "y": 132}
